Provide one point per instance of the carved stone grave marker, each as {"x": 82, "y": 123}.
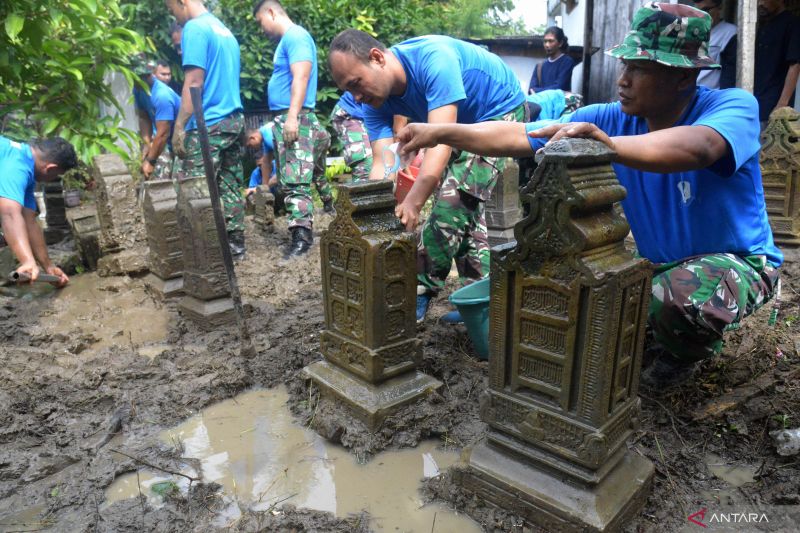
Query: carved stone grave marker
{"x": 264, "y": 215}
{"x": 164, "y": 238}
{"x": 56, "y": 213}
{"x": 780, "y": 173}
{"x": 207, "y": 300}
{"x": 369, "y": 292}
{"x": 503, "y": 209}
{"x": 568, "y": 311}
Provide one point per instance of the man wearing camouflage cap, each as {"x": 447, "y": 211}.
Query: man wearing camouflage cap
{"x": 688, "y": 157}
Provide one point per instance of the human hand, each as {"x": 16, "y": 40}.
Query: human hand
{"x": 415, "y": 136}
{"x": 273, "y": 180}
{"x": 585, "y": 130}
{"x": 147, "y": 169}
{"x": 178, "y": 138}
{"x": 55, "y": 271}
{"x": 291, "y": 129}
{"x": 408, "y": 214}
{"x": 28, "y": 272}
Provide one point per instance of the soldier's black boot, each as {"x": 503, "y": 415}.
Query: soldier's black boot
{"x": 236, "y": 243}
{"x": 302, "y": 239}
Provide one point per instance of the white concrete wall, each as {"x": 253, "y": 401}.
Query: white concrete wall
{"x": 124, "y": 95}
{"x": 572, "y": 23}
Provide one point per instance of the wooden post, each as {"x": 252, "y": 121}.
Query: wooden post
{"x": 746, "y": 53}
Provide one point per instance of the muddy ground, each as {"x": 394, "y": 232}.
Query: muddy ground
{"x": 75, "y": 391}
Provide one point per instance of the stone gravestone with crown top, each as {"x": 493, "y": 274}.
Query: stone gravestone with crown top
{"x": 567, "y": 322}
{"x": 164, "y": 238}
{"x": 780, "y": 173}
{"x": 369, "y": 293}
{"x": 503, "y": 209}
{"x": 207, "y": 301}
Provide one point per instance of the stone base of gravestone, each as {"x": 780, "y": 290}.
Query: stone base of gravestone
{"x": 208, "y": 314}
{"x": 126, "y": 262}
{"x": 264, "y": 215}
{"x": 164, "y": 288}
{"x": 86, "y": 232}
{"x": 370, "y": 403}
{"x": 548, "y": 499}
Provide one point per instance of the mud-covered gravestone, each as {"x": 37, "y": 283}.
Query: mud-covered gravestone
{"x": 503, "y": 209}
{"x": 207, "y": 301}
{"x": 160, "y": 208}
{"x": 264, "y": 215}
{"x": 780, "y": 173}
{"x": 568, "y": 312}
{"x": 369, "y": 293}
{"x": 122, "y": 239}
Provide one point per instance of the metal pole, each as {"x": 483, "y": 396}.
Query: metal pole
{"x": 247, "y": 349}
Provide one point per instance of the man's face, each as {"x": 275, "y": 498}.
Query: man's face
{"x": 769, "y": 8}
{"x": 178, "y": 10}
{"x": 176, "y": 41}
{"x": 647, "y": 88}
{"x": 47, "y": 172}
{"x": 266, "y": 19}
{"x": 163, "y": 73}
{"x": 715, "y": 11}
{"x": 551, "y": 45}
{"x": 369, "y": 83}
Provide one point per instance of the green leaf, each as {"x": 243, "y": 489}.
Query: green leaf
{"x": 14, "y": 25}
{"x": 50, "y": 126}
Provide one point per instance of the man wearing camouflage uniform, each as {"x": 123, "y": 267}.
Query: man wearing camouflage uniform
{"x": 347, "y": 120}
{"x": 300, "y": 140}
{"x": 434, "y": 79}
{"x": 689, "y": 159}
{"x": 211, "y": 61}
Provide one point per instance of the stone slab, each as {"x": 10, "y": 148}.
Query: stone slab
{"x": 552, "y": 503}
{"x": 503, "y": 219}
{"x": 126, "y": 262}
{"x": 497, "y": 238}
{"x": 370, "y": 403}
{"x": 208, "y": 314}
{"x": 164, "y": 288}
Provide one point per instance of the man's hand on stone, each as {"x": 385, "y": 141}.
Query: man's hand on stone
{"x": 147, "y": 169}
{"x": 408, "y": 214}
{"x": 55, "y": 271}
{"x": 291, "y": 130}
{"x": 178, "y": 138}
{"x": 585, "y": 130}
{"x": 416, "y": 136}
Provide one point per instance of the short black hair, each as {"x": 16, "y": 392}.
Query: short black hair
{"x": 56, "y": 150}
{"x": 163, "y": 63}
{"x": 175, "y": 28}
{"x": 356, "y": 43}
{"x": 275, "y": 4}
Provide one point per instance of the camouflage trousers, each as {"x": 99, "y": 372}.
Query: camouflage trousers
{"x": 696, "y": 300}
{"x": 456, "y": 227}
{"x": 300, "y": 164}
{"x": 164, "y": 165}
{"x": 357, "y": 149}
{"x": 225, "y": 138}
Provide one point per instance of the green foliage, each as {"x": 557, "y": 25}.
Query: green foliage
{"x": 55, "y": 56}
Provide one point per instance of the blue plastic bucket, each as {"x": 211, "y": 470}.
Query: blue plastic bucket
{"x": 472, "y": 302}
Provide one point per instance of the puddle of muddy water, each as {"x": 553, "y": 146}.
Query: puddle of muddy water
{"x": 107, "y": 310}
{"x": 251, "y": 446}
{"x": 734, "y": 475}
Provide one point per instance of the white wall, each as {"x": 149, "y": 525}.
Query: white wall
{"x": 123, "y": 94}
{"x": 572, "y": 23}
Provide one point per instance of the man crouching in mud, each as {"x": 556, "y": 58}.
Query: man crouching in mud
{"x": 688, "y": 157}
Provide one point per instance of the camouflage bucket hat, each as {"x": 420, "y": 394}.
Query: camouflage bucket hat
{"x": 675, "y": 35}
{"x": 142, "y": 66}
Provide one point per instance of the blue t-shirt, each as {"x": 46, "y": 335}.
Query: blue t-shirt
{"x": 208, "y": 44}
{"x": 551, "y": 104}
{"x": 16, "y": 179}
{"x": 349, "y": 104}
{"x": 166, "y": 104}
{"x": 555, "y": 74}
{"x": 267, "y": 144}
{"x": 296, "y": 45}
{"x": 440, "y": 71}
{"x": 719, "y": 209}
{"x": 141, "y": 101}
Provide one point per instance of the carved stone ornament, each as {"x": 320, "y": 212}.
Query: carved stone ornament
{"x": 567, "y": 320}
{"x": 160, "y": 207}
{"x": 780, "y": 174}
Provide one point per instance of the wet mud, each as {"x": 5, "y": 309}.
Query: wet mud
{"x": 94, "y": 378}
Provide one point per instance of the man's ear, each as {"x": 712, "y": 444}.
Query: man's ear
{"x": 51, "y": 169}
{"x": 688, "y": 78}
{"x": 376, "y": 56}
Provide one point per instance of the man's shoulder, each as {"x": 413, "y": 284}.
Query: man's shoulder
{"x": 733, "y": 97}
{"x": 296, "y": 33}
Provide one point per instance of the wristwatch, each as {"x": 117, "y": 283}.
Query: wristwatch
{"x": 152, "y": 161}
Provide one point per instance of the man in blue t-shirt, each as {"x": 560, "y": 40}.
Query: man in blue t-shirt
{"x": 301, "y": 142}
{"x": 211, "y": 60}
{"x": 260, "y": 140}
{"x": 158, "y": 160}
{"x": 688, "y": 157}
{"x": 347, "y": 121}
{"x": 434, "y": 79}
{"x": 21, "y": 166}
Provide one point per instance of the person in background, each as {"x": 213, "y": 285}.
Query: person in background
{"x": 175, "y": 33}
{"x": 260, "y": 140}
{"x": 721, "y": 48}
{"x": 21, "y": 166}
{"x": 158, "y": 161}
{"x": 555, "y": 72}
{"x": 347, "y": 120}
{"x": 777, "y": 57}
{"x": 145, "y": 114}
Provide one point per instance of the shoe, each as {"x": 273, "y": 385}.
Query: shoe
{"x": 453, "y": 317}
{"x": 236, "y": 243}
{"x": 667, "y": 371}
{"x": 302, "y": 239}
{"x": 424, "y": 298}
{"x": 327, "y": 205}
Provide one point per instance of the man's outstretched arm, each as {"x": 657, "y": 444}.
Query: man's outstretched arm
{"x": 495, "y": 138}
